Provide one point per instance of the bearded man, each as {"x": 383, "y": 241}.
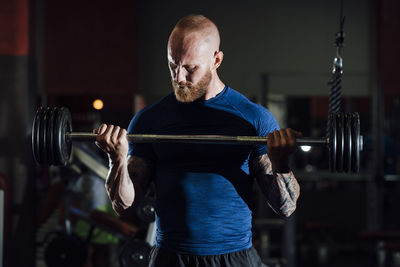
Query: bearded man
{"x": 203, "y": 192}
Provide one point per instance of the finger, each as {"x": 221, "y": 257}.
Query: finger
{"x": 95, "y": 130}
{"x": 122, "y": 134}
{"x": 107, "y": 135}
{"x": 102, "y": 128}
{"x": 115, "y": 133}
{"x": 270, "y": 138}
{"x": 283, "y": 137}
{"x": 109, "y": 130}
{"x": 291, "y": 136}
{"x": 277, "y": 138}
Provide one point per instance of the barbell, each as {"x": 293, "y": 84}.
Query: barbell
{"x": 52, "y": 138}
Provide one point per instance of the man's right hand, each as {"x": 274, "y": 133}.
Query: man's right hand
{"x": 112, "y": 140}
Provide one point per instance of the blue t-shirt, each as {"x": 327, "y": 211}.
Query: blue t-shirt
{"x": 203, "y": 190}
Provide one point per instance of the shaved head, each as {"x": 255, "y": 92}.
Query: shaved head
{"x": 197, "y": 26}
{"x": 194, "y": 56}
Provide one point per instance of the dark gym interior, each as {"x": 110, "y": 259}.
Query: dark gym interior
{"x": 106, "y": 60}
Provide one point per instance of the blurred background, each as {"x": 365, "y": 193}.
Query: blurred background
{"x": 277, "y": 53}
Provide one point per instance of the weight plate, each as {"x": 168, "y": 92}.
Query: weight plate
{"x": 355, "y": 123}
{"x": 347, "y": 143}
{"x": 146, "y": 210}
{"x": 54, "y": 148}
{"x": 332, "y": 142}
{"x": 62, "y": 144}
{"x": 135, "y": 252}
{"x": 57, "y": 138}
{"x": 340, "y": 141}
{"x": 43, "y": 136}
{"x": 36, "y": 135}
{"x": 50, "y": 137}
{"x": 67, "y": 129}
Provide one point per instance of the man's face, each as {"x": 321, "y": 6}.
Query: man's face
{"x": 189, "y": 62}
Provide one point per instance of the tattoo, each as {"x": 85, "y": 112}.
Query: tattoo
{"x": 280, "y": 189}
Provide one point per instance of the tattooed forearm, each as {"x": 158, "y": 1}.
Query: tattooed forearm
{"x": 280, "y": 189}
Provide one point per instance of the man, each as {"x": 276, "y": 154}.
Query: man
{"x": 203, "y": 191}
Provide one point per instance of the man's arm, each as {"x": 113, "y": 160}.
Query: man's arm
{"x": 273, "y": 174}
{"x": 280, "y": 189}
{"x": 127, "y": 182}
{"x": 127, "y": 177}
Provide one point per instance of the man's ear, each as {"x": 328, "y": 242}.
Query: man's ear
{"x": 218, "y": 57}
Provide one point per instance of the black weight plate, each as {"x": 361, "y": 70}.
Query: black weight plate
{"x": 57, "y": 137}
{"x": 68, "y": 129}
{"x": 36, "y": 135}
{"x": 55, "y": 154}
{"x": 63, "y": 145}
{"x": 66, "y": 251}
{"x": 347, "y": 143}
{"x": 332, "y": 142}
{"x": 340, "y": 141}
{"x": 43, "y": 136}
{"x": 355, "y": 123}
{"x": 50, "y": 137}
{"x": 146, "y": 210}
{"x": 345, "y": 154}
{"x": 135, "y": 252}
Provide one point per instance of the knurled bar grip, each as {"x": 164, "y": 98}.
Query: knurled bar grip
{"x": 200, "y": 139}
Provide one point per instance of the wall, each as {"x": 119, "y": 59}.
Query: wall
{"x": 290, "y": 40}
{"x": 16, "y": 101}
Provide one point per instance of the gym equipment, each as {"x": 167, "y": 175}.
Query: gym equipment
{"x": 146, "y": 210}
{"x": 52, "y": 138}
{"x": 135, "y": 252}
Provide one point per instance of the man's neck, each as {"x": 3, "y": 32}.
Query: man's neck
{"x": 216, "y": 86}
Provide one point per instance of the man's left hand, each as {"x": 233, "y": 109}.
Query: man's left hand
{"x": 281, "y": 143}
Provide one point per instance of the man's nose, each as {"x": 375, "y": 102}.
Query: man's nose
{"x": 180, "y": 75}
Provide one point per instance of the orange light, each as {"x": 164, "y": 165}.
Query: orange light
{"x": 98, "y": 104}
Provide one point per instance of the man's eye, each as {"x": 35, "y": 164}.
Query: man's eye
{"x": 191, "y": 70}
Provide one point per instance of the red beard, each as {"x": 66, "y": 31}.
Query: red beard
{"x": 187, "y": 92}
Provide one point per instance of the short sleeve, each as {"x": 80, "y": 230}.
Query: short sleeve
{"x": 265, "y": 124}
{"x": 139, "y": 125}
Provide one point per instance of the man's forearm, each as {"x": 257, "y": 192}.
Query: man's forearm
{"x": 279, "y": 185}
{"x": 119, "y": 186}
{"x": 282, "y": 191}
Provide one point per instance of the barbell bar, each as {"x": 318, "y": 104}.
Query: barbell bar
{"x": 197, "y": 139}
{"x": 52, "y": 138}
